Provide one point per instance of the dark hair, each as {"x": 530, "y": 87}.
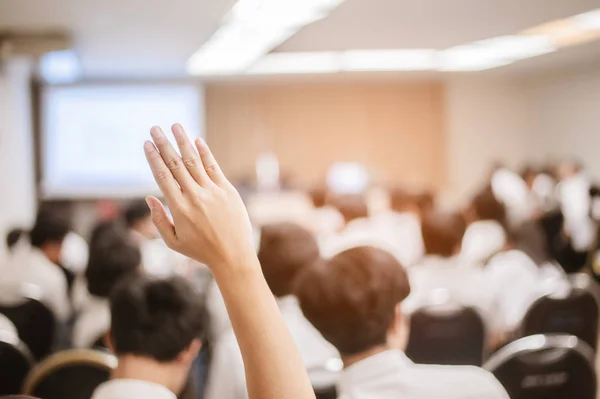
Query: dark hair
{"x": 351, "y": 206}
{"x": 13, "y": 236}
{"x": 156, "y": 318}
{"x": 135, "y": 212}
{"x": 487, "y": 207}
{"x": 285, "y": 249}
{"x": 442, "y": 233}
{"x": 51, "y": 225}
{"x": 113, "y": 257}
{"x": 351, "y": 298}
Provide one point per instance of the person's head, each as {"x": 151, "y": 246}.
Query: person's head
{"x": 138, "y": 218}
{"x": 13, "y": 237}
{"x": 442, "y": 233}
{"x": 485, "y": 206}
{"x": 351, "y": 206}
{"x": 156, "y": 328}
{"x": 568, "y": 168}
{"x": 112, "y": 258}
{"x": 318, "y": 197}
{"x": 285, "y": 249}
{"x": 353, "y": 298}
{"x": 49, "y": 231}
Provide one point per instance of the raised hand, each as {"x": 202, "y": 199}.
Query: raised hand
{"x": 210, "y": 223}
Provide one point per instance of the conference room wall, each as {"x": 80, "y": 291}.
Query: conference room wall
{"x": 17, "y": 180}
{"x": 395, "y": 128}
{"x": 567, "y": 116}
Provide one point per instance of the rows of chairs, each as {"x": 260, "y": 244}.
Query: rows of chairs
{"x": 551, "y": 355}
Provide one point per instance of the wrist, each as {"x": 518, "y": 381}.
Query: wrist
{"x": 236, "y": 268}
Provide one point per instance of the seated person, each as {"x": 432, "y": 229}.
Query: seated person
{"x": 486, "y": 234}
{"x": 113, "y": 258}
{"x": 37, "y": 263}
{"x": 156, "y": 327}
{"x": 157, "y": 259}
{"x": 512, "y": 275}
{"x": 285, "y": 250}
{"x": 354, "y": 301}
{"x": 442, "y": 269}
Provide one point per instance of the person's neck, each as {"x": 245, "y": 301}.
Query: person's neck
{"x": 349, "y": 360}
{"x": 133, "y": 367}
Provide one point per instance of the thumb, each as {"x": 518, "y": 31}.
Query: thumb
{"x": 161, "y": 221}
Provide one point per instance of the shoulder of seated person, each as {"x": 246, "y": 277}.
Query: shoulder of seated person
{"x": 471, "y": 379}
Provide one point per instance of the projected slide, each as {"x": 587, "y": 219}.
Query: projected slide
{"x": 93, "y": 136}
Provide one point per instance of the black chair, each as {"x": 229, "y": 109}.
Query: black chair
{"x": 574, "y": 312}
{"x": 326, "y": 392}
{"x": 34, "y": 321}
{"x": 15, "y": 363}
{"x": 72, "y": 374}
{"x": 447, "y": 334}
{"x": 545, "y": 367}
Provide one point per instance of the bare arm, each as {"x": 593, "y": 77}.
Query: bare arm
{"x": 210, "y": 224}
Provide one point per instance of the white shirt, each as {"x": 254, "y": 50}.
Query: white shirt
{"x": 29, "y": 265}
{"x": 397, "y": 233}
{"x": 227, "y": 379}
{"x": 74, "y": 252}
{"x": 482, "y": 240}
{"x": 391, "y": 375}
{"x": 465, "y": 284}
{"x": 7, "y": 326}
{"x": 515, "y": 280}
{"x": 92, "y": 323}
{"x": 131, "y": 389}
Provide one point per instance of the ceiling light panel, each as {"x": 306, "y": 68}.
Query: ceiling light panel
{"x": 253, "y": 28}
{"x": 298, "y": 63}
{"x": 389, "y": 60}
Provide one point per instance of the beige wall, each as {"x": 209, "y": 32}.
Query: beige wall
{"x": 567, "y": 116}
{"x": 488, "y": 120}
{"x": 396, "y": 129}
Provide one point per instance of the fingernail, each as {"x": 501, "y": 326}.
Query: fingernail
{"x": 176, "y": 128}
{"x": 155, "y": 132}
{"x": 150, "y": 203}
{"x": 200, "y": 142}
{"x": 148, "y": 146}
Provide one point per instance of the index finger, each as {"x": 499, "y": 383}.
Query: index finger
{"x": 163, "y": 176}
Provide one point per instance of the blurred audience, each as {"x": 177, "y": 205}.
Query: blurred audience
{"x": 37, "y": 262}
{"x": 113, "y": 258}
{"x": 285, "y": 250}
{"x": 354, "y": 301}
{"x": 157, "y": 259}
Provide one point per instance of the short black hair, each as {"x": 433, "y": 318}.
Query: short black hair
{"x": 51, "y": 225}
{"x": 442, "y": 232}
{"x": 351, "y": 299}
{"x": 136, "y": 211}
{"x": 285, "y": 249}
{"x": 112, "y": 258}
{"x": 13, "y": 236}
{"x": 156, "y": 318}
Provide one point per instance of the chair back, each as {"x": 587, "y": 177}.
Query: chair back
{"x": 22, "y": 305}
{"x": 574, "y": 312}
{"x": 545, "y": 367}
{"x": 447, "y": 334}
{"x": 72, "y": 374}
{"x": 15, "y": 363}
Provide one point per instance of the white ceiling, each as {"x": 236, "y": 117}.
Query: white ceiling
{"x": 127, "y": 38}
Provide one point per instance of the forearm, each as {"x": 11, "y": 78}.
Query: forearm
{"x": 273, "y": 366}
